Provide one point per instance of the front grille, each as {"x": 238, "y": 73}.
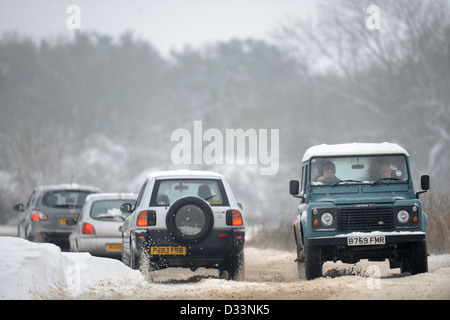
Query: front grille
{"x": 365, "y": 219}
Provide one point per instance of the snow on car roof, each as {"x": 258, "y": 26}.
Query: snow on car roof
{"x": 111, "y": 195}
{"x": 353, "y": 149}
{"x": 186, "y": 174}
{"x": 68, "y": 186}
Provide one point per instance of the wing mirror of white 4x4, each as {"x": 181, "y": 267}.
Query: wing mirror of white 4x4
{"x": 126, "y": 208}
{"x": 424, "y": 184}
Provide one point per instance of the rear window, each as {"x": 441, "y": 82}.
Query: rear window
{"x": 167, "y": 192}
{"x": 65, "y": 198}
{"x": 109, "y": 210}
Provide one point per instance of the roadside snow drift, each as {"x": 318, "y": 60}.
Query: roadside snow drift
{"x": 41, "y": 271}
{"x": 38, "y": 270}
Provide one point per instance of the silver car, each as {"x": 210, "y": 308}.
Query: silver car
{"x": 51, "y": 211}
{"x": 99, "y": 226}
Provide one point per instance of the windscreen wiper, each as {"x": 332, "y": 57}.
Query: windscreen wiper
{"x": 385, "y": 179}
{"x": 348, "y": 180}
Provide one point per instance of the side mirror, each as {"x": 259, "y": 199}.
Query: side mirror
{"x": 19, "y": 207}
{"x": 294, "y": 187}
{"x": 126, "y": 208}
{"x": 425, "y": 182}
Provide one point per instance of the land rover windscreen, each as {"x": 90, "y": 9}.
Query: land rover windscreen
{"x": 370, "y": 170}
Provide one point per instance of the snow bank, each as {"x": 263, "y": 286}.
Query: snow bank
{"x": 40, "y": 270}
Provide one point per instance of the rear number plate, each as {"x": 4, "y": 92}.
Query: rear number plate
{"x": 63, "y": 221}
{"x": 114, "y": 247}
{"x": 167, "y": 250}
{"x": 366, "y": 240}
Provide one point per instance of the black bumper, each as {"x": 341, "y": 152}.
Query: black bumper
{"x": 395, "y": 247}
{"x": 218, "y": 246}
{"x": 61, "y": 239}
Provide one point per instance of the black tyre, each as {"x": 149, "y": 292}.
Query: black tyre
{"x": 300, "y": 262}
{"x": 233, "y": 268}
{"x": 418, "y": 257}
{"x": 313, "y": 262}
{"x": 190, "y": 219}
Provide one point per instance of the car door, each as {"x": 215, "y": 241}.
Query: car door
{"x": 25, "y": 216}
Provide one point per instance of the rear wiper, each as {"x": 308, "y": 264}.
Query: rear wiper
{"x": 385, "y": 179}
{"x": 210, "y": 197}
{"x": 340, "y": 181}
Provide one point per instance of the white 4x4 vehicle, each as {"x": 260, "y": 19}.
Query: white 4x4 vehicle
{"x": 186, "y": 219}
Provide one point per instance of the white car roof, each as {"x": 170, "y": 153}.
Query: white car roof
{"x": 353, "y": 149}
{"x": 185, "y": 174}
{"x": 111, "y": 195}
{"x": 67, "y": 186}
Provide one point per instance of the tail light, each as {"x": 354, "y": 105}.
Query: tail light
{"x": 38, "y": 216}
{"x": 146, "y": 218}
{"x": 87, "y": 228}
{"x": 234, "y": 218}
{"x": 142, "y": 220}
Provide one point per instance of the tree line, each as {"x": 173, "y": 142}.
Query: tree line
{"x": 101, "y": 110}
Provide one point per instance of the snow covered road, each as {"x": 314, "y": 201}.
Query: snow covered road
{"x": 41, "y": 271}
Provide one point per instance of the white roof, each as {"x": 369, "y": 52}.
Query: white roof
{"x": 185, "y": 174}
{"x": 68, "y": 186}
{"x": 111, "y": 195}
{"x": 353, "y": 149}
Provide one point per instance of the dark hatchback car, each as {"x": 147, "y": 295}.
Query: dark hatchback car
{"x": 51, "y": 211}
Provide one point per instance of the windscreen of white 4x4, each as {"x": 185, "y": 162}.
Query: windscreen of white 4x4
{"x": 358, "y": 169}
{"x": 168, "y": 191}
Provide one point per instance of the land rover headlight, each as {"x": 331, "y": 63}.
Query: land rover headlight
{"x": 326, "y": 219}
{"x": 403, "y": 216}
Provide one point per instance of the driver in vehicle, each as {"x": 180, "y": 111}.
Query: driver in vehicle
{"x": 328, "y": 173}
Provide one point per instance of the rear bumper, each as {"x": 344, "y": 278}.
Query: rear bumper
{"x": 210, "y": 252}
{"x": 104, "y": 246}
{"x": 59, "y": 238}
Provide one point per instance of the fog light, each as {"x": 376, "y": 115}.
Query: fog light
{"x": 403, "y": 216}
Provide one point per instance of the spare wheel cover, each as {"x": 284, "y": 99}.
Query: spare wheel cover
{"x": 190, "y": 219}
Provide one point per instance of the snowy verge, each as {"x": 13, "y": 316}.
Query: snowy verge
{"x": 33, "y": 271}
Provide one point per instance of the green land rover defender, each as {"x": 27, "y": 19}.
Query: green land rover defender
{"x": 357, "y": 201}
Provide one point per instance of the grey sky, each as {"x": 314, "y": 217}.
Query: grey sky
{"x": 166, "y": 23}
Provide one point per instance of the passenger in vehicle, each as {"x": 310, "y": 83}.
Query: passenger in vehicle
{"x": 380, "y": 169}
{"x": 204, "y": 192}
{"x": 385, "y": 170}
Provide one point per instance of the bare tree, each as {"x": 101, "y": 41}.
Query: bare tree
{"x": 396, "y": 76}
